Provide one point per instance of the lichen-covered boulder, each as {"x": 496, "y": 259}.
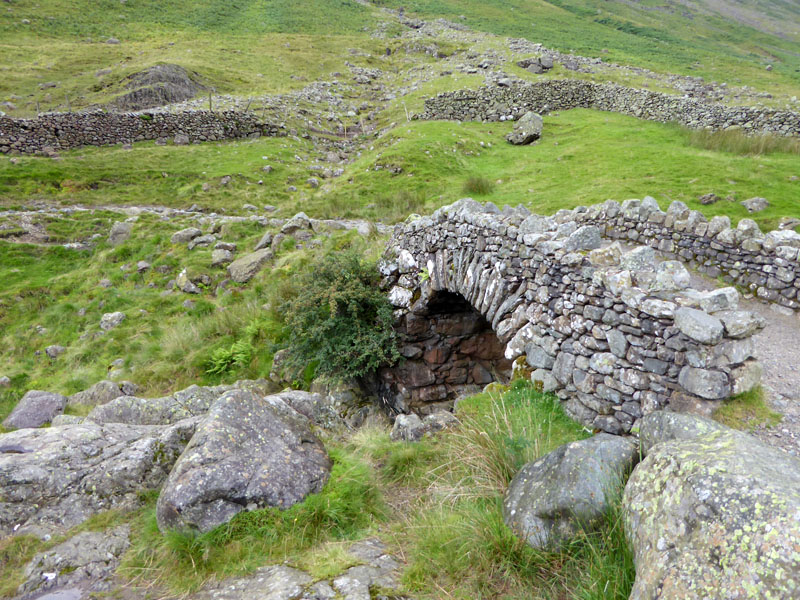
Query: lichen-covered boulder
{"x": 569, "y": 490}
{"x": 712, "y": 513}
{"x": 35, "y": 408}
{"x": 526, "y": 130}
{"x": 249, "y": 452}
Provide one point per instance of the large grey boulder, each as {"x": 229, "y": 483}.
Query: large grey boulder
{"x": 35, "y": 409}
{"x": 245, "y": 268}
{"x": 712, "y": 513}
{"x": 84, "y": 560}
{"x": 250, "y": 452}
{"x": 526, "y": 130}
{"x": 569, "y": 490}
{"x": 56, "y": 478}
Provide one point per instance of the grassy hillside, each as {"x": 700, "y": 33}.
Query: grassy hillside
{"x": 692, "y": 38}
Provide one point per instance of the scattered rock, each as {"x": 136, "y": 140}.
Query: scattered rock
{"x": 707, "y": 199}
{"x": 245, "y": 268}
{"x": 35, "y": 408}
{"x": 754, "y": 205}
{"x": 411, "y": 428}
{"x": 526, "y": 130}
{"x": 5, "y": 381}
{"x": 54, "y": 351}
{"x": 185, "y": 235}
{"x": 220, "y": 258}
{"x": 111, "y": 320}
{"x": 186, "y": 285}
{"x": 569, "y": 490}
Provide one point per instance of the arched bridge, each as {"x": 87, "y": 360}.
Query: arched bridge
{"x": 614, "y": 331}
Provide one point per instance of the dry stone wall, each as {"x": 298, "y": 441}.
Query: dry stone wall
{"x": 766, "y": 264}
{"x": 614, "y": 333}
{"x": 61, "y": 131}
{"x": 515, "y": 99}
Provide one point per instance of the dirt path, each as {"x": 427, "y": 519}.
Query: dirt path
{"x": 778, "y": 350}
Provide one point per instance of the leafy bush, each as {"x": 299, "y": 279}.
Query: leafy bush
{"x": 339, "y": 320}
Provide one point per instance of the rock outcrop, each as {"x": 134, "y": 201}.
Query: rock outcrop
{"x": 56, "y": 478}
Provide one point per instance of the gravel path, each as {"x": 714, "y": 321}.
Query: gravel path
{"x": 778, "y": 350}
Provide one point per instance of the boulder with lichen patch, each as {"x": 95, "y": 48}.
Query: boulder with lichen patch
{"x": 712, "y": 513}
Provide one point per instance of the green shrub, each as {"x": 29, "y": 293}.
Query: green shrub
{"x": 340, "y": 320}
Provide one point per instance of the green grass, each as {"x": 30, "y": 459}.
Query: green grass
{"x": 584, "y": 157}
{"x": 747, "y": 411}
{"x": 734, "y": 141}
{"x": 348, "y": 507}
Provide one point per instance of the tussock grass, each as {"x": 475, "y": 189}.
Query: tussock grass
{"x": 738, "y": 142}
{"x": 450, "y": 526}
{"x": 479, "y": 186}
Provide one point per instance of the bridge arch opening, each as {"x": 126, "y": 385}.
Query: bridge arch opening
{"x": 448, "y": 349}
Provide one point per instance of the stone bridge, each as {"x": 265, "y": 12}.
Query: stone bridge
{"x": 614, "y": 330}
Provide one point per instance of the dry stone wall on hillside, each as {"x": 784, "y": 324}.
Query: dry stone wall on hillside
{"x": 613, "y": 332}
{"x": 62, "y": 131}
{"x": 515, "y": 99}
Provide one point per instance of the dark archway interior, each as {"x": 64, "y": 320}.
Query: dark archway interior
{"x": 449, "y": 349}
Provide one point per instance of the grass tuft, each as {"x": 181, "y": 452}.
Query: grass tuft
{"x": 478, "y": 186}
{"x": 747, "y": 411}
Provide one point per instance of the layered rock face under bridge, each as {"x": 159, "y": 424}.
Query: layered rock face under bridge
{"x": 615, "y": 331}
